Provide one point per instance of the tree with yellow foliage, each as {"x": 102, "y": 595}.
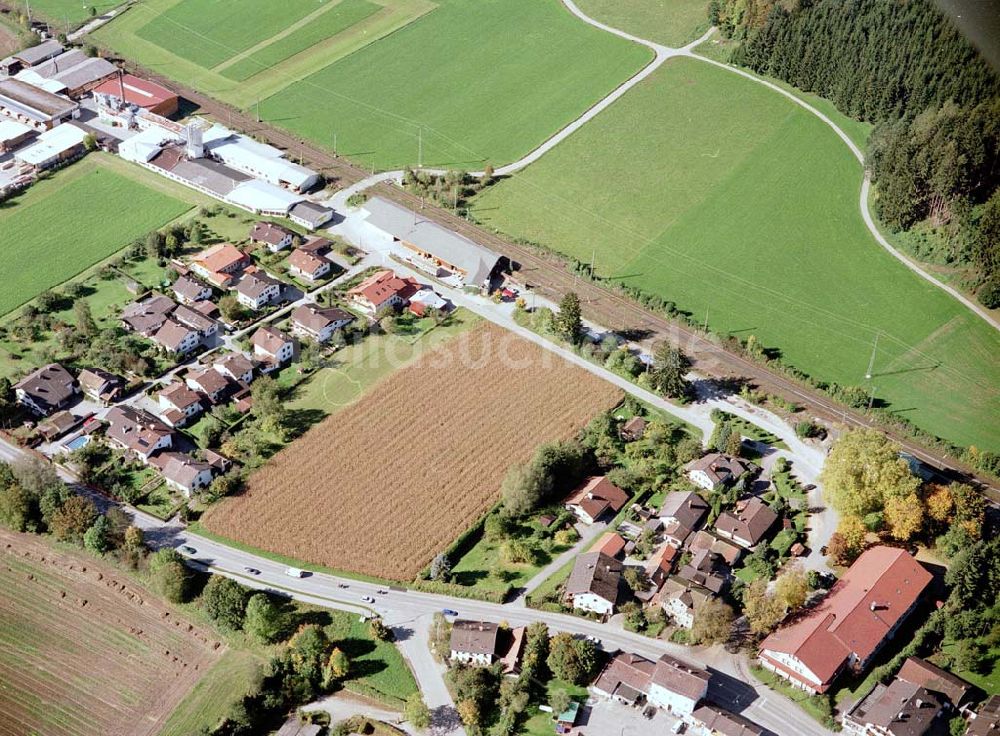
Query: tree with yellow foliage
{"x": 863, "y": 471}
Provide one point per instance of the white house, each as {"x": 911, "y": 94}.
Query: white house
{"x": 474, "y": 642}
{"x": 595, "y": 583}
{"x": 677, "y": 686}
{"x": 137, "y": 431}
{"x": 183, "y": 472}
{"x": 307, "y": 265}
{"x": 178, "y": 404}
{"x": 272, "y": 346}
{"x": 235, "y": 366}
{"x": 257, "y": 289}
{"x": 274, "y": 236}
{"x": 319, "y": 324}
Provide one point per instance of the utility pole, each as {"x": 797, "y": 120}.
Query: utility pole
{"x": 334, "y": 144}
{"x": 593, "y": 262}
{"x": 258, "y": 108}
{"x": 705, "y": 326}
{"x": 420, "y": 148}
{"x": 871, "y": 362}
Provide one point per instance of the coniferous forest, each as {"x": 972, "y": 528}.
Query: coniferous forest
{"x": 934, "y": 100}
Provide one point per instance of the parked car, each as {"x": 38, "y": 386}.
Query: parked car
{"x": 295, "y": 572}
{"x": 449, "y": 612}
{"x": 189, "y": 550}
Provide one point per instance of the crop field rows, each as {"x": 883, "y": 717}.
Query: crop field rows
{"x": 382, "y": 485}
{"x": 84, "y": 651}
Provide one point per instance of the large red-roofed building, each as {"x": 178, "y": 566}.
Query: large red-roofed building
{"x": 863, "y": 611}
{"x": 140, "y": 92}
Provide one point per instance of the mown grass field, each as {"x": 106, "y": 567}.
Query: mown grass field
{"x": 381, "y": 486}
{"x": 670, "y": 22}
{"x": 65, "y": 13}
{"x": 84, "y": 650}
{"x": 730, "y": 200}
{"x": 66, "y": 223}
{"x": 474, "y": 80}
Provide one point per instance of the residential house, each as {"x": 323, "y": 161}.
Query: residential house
{"x": 383, "y": 290}
{"x": 147, "y": 316}
{"x": 319, "y": 323}
{"x": 205, "y": 326}
{"x": 235, "y": 366}
{"x": 986, "y": 721}
{"x": 611, "y": 544}
{"x": 633, "y": 429}
{"x": 272, "y": 346}
{"x": 661, "y": 564}
{"x": 308, "y": 266}
{"x": 474, "y": 642}
{"x": 729, "y": 552}
{"x": 682, "y": 513}
{"x": 426, "y": 299}
{"x": 178, "y": 404}
{"x": 210, "y": 384}
{"x": 173, "y": 337}
{"x": 137, "y": 431}
{"x": 309, "y": 214}
{"x": 863, "y": 610}
{"x": 190, "y": 290}
{"x": 317, "y": 246}
{"x": 748, "y": 524}
{"x": 595, "y": 583}
{"x": 677, "y": 686}
{"x": 101, "y": 386}
{"x": 707, "y": 569}
{"x": 715, "y": 720}
{"x": 58, "y": 424}
{"x": 219, "y": 264}
{"x": 900, "y": 708}
{"x": 183, "y": 472}
{"x": 275, "y": 237}
{"x": 595, "y": 497}
{"x": 257, "y": 289}
{"x": 625, "y": 678}
{"x": 921, "y": 672}
{"x": 681, "y": 600}
{"x": 47, "y": 389}
{"x": 716, "y": 470}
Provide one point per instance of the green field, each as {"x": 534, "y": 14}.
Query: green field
{"x": 65, "y": 12}
{"x": 473, "y": 81}
{"x": 728, "y": 199}
{"x": 66, "y": 223}
{"x": 670, "y": 22}
{"x": 344, "y": 15}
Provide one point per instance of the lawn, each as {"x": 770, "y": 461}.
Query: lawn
{"x": 473, "y": 81}
{"x": 78, "y": 216}
{"x": 211, "y": 699}
{"x": 377, "y": 668}
{"x": 741, "y": 206}
{"x": 670, "y": 22}
{"x": 67, "y": 13}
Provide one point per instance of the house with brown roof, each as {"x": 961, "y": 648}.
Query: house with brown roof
{"x": 205, "y": 326}
{"x": 681, "y": 600}
{"x": 137, "y": 431}
{"x": 308, "y": 266}
{"x": 863, "y": 610}
{"x": 707, "y": 569}
{"x": 677, "y": 686}
{"x": 275, "y": 237}
{"x": 611, "y": 544}
{"x": 748, "y": 524}
{"x": 595, "y": 497}
{"x": 174, "y": 337}
{"x": 661, "y": 564}
{"x": 681, "y": 513}
{"x": 178, "y": 404}
{"x": 900, "y": 708}
{"x": 985, "y": 721}
{"x": 633, "y": 429}
{"x": 219, "y": 264}
{"x": 101, "y": 386}
{"x": 235, "y": 367}
{"x": 716, "y": 470}
{"x": 190, "y": 290}
{"x": 258, "y": 289}
{"x": 319, "y": 323}
{"x": 383, "y": 290}
{"x": 210, "y": 384}
{"x": 46, "y": 390}
{"x": 272, "y": 346}
{"x": 929, "y": 675}
{"x": 148, "y": 315}
{"x": 317, "y": 246}
{"x": 717, "y": 720}
{"x": 625, "y": 678}
{"x": 182, "y": 471}
{"x": 474, "y": 642}
{"x": 595, "y": 583}
{"x": 729, "y": 552}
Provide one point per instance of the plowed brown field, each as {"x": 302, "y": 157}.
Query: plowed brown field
{"x": 83, "y": 650}
{"x": 383, "y": 485}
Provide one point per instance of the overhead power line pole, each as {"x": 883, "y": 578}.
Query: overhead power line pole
{"x": 871, "y": 362}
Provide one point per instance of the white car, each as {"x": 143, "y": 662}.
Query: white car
{"x": 294, "y": 572}
{"x": 367, "y": 599}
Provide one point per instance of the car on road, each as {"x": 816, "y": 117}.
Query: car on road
{"x": 449, "y": 612}
{"x": 367, "y": 599}
{"x": 188, "y": 550}
{"x": 294, "y": 572}
{"x": 382, "y": 592}
{"x": 592, "y": 639}
{"x": 251, "y": 570}
{"x": 341, "y": 585}
{"x": 809, "y": 487}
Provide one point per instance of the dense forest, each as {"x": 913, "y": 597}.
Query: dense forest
{"x": 934, "y": 101}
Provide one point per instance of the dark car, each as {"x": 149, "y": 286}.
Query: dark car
{"x": 189, "y": 550}
{"x": 449, "y": 612}
{"x": 252, "y": 570}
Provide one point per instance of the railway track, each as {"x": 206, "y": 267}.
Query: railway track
{"x": 548, "y": 275}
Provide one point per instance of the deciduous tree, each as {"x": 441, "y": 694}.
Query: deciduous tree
{"x": 263, "y": 620}
{"x": 225, "y": 602}
{"x": 670, "y": 366}
{"x": 568, "y": 323}
{"x": 713, "y": 622}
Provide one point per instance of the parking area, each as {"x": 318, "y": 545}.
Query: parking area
{"x": 600, "y": 716}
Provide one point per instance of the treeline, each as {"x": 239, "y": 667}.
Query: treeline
{"x": 934, "y": 100}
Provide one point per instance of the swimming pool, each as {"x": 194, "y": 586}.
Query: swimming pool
{"x": 77, "y": 442}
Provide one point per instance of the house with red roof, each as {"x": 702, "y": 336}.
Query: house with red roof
{"x": 594, "y": 498}
{"x": 863, "y": 611}
{"x": 382, "y": 290}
